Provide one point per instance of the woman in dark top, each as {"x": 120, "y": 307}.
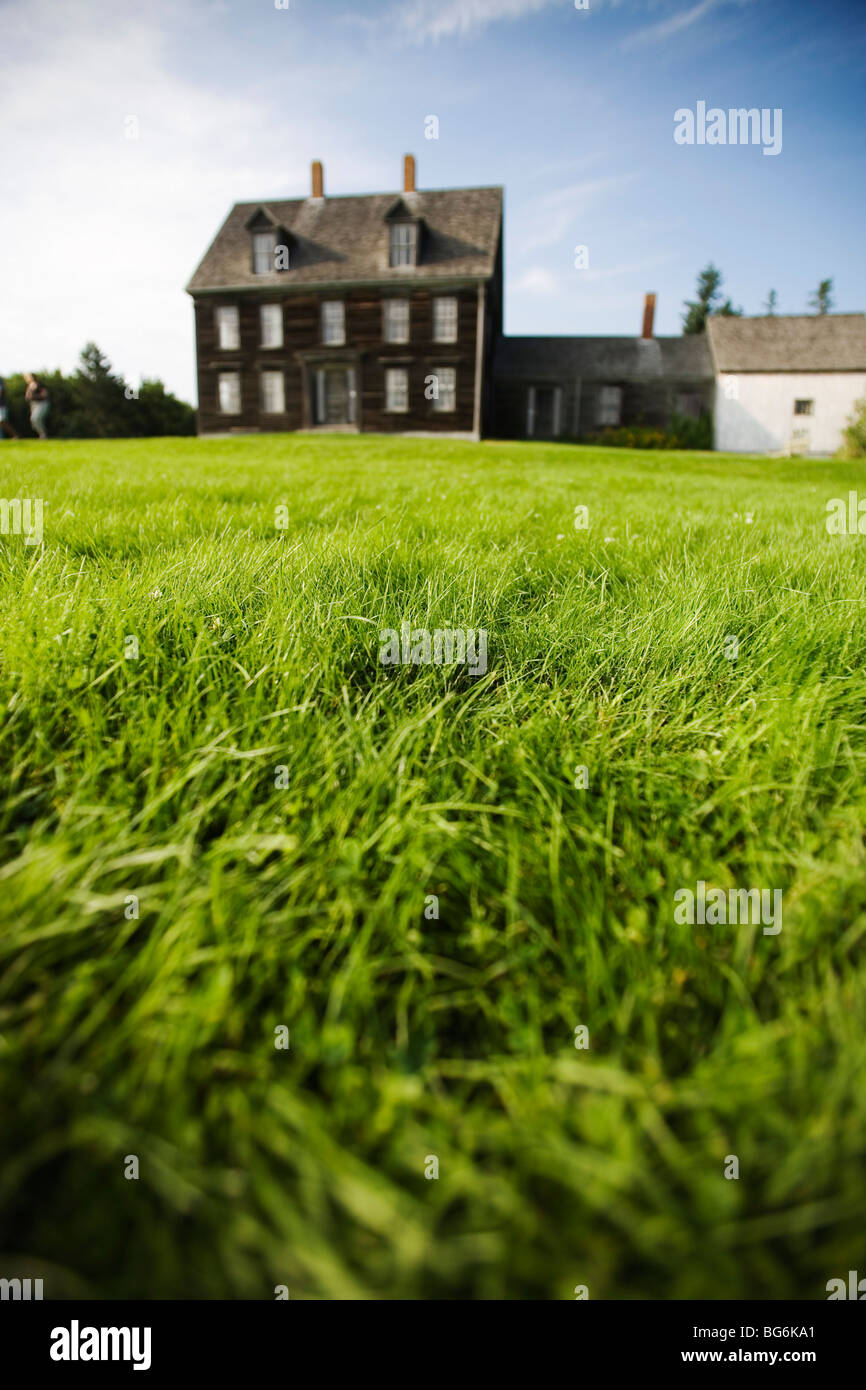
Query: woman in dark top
{"x": 37, "y": 395}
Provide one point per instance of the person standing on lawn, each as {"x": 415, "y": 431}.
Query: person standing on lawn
{"x": 37, "y": 395}
{"x": 5, "y": 427}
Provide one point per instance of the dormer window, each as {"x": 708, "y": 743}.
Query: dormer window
{"x": 270, "y": 242}
{"x": 264, "y": 251}
{"x": 404, "y": 244}
{"x": 405, "y": 231}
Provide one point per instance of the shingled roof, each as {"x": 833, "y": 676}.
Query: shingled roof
{"x": 789, "y": 343}
{"x": 346, "y": 240}
{"x": 604, "y": 359}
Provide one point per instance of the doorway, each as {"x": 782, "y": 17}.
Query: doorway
{"x": 334, "y": 395}
{"x": 543, "y": 411}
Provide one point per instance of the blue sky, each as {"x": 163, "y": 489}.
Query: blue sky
{"x": 571, "y": 110}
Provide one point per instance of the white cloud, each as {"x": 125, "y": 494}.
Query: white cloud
{"x": 102, "y": 232}
{"x": 424, "y": 21}
{"x": 443, "y": 19}
{"x": 683, "y": 19}
{"x": 614, "y": 272}
{"x": 556, "y": 213}
{"x": 537, "y": 279}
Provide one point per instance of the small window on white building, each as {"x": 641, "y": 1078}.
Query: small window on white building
{"x": 273, "y": 393}
{"x": 445, "y": 319}
{"x": 230, "y": 393}
{"x": 264, "y": 247}
{"x": 403, "y": 244}
{"x": 804, "y": 407}
{"x": 228, "y": 327}
{"x": 396, "y": 320}
{"x": 609, "y": 405}
{"x": 271, "y": 320}
{"x": 446, "y": 397}
{"x": 396, "y": 388}
{"x": 333, "y": 322}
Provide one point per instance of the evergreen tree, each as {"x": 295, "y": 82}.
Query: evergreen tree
{"x": 101, "y": 397}
{"x": 95, "y": 403}
{"x": 708, "y": 291}
{"x": 821, "y": 302}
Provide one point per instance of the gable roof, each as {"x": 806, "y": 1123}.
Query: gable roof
{"x": 789, "y": 343}
{"x": 261, "y": 216}
{"x": 346, "y": 239}
{"x": 604, "y": 359}
{"x": 400, "y": 211}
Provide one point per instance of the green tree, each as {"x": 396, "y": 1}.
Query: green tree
{"x": 821, "y": 302}
{"x": 770, "y": 306}
{"x": 854, "y": 436}
{"x": 95, "y": 403}
{"x": 103, "y": 411}
{"x": 709, "y": 291}
{"x": 19, "y": 413}
{"x": 158, "y": 412}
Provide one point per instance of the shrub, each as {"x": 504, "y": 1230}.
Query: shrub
{"x": 682, "y": 432}
{"x": 854, "y": 435}
{"x": 688, "y": 433}
{"x": 93, "y": 404}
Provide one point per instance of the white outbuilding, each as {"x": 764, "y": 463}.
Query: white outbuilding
{"x": 786, "y": 383}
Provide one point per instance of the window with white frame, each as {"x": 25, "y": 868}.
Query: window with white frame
{"x": 228, "y": 327}
{"x": 446, "y": 392}
{"x": 273, "y": 393}
{"x": 271, "y": 321}
{"x": 404, "y": 243}
{"x": 230, "y": 393}
{"x": 333, "y": 322}
{"x": 609, "y": 405}
{"x": 396, "y": 320}
{"x": 445, "y": 319}
{"x": 264, "y": 246}
{"x": 396, "y": 388}
{"x": 804, "y": 407}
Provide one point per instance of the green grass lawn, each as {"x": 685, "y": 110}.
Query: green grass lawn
{"x": 302, "y": 906}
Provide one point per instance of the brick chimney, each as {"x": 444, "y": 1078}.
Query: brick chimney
{"x": 649, "y": 313}
{"x": 408, "y": 173}
{"x": 318, "y": 179}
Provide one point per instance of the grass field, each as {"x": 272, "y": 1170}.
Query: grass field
{"x": 302, "y": 906}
